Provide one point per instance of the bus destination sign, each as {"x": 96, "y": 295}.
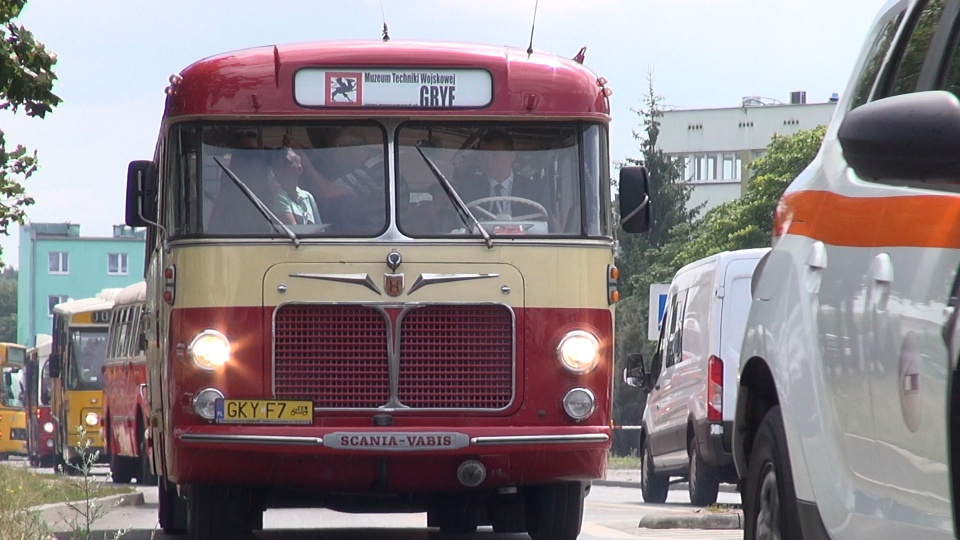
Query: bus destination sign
{"x": 428, "y": 88}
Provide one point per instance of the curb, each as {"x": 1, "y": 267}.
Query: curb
{"x": 55, "y": 514}
{"x": 679, "y": 486}
{"x": 697, "y": 520}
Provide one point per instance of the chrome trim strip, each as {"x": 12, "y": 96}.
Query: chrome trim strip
{"x": 575, "y": 242}
{"x": 433, "y": 279}
{"x": 353, "y": 279}
{"x": 541, "y": 439}
{"x": 250, "y": 439}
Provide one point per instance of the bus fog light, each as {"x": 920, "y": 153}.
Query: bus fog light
{"x": 205, "y": 402}
{"x": 579, "y": 403}
{"x": 471, "y": 473}
{"x": 579, "y": 352}
{"x": 210, "y": 350}
{"x": 91, "y": 419}
{"x": 48, "y": 427}
{"x": 49, "y": 443}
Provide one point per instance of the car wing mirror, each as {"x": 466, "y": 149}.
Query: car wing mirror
{"x": 635, "y": 374}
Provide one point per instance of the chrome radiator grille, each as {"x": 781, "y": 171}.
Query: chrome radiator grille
{"x": 446, "y": 356}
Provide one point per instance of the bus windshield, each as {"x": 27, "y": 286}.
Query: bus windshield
{"x": 88, "y": 350}
{"x": 11, "y": 387}
{"x": 333, "y": 180}
{"x": 45, "y": 384}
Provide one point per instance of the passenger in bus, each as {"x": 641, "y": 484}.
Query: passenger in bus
{"x": 92, "y": 355}
{"x": 494, "y": 176}
{"x": 355, "y": 201}
{"x": 233, "y": 212}
{"x": 293, "y": 205}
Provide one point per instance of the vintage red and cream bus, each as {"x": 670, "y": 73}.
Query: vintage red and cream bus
{"x": 380, "y": 278}
{"x": 37, "y": 398}
{"x": 125, "y": 390}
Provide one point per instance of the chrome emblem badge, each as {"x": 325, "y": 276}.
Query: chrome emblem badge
{"x": 393, "y": 284}
{"x": 393, "y": 260}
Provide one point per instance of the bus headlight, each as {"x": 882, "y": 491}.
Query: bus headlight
{"x": 91, "y": 419}
{"x": 579, "y": 403}
{"x": 210, "y": 350}
{"x": 205, "y": 403}
{"x": 579, "y": 352}
{"x": 48, "y": 427}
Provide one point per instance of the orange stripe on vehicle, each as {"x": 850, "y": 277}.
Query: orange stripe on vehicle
{"x": 906, "y": 221}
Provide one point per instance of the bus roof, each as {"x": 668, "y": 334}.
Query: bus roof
{"x": 133, "y": 294}
{"x": 42, "y": 348}
{"x": 261, "y": 80}
{"x": 82, "y": 305}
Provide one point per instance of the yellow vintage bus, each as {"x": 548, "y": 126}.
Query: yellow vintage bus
{"x": 13, "y": 419}
{"x": 79, "y": 350}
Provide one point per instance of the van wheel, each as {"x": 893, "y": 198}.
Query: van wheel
{"x": 770, "y": 501}
{"x": 653, "y": 486}
{"x": 702, "y": 481}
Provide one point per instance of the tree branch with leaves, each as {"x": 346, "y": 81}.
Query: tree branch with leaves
{"x": 26, "y": 85}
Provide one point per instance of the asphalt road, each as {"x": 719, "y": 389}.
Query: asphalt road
{"x": 612, "y": 512}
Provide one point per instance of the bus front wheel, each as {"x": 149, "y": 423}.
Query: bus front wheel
{"x": 555, "y": 511}
{"x": 218, "y": 512}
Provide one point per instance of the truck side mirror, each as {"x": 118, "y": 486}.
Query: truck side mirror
{"x": 634, "y": 374}
{"x": 142, "y": 186}
{"x": 54, "y": 365}
{"x": 636, "y": 215}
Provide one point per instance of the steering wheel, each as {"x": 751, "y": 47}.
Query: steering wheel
{"x": 479, "y": 205}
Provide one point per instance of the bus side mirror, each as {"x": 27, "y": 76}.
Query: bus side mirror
{"x": 635, "y": 374}
{"x": 142, "y": 187}
{"x": 54, "y": 365}
{"x": 636, "y": 215}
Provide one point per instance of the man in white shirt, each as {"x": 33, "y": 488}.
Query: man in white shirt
{"x": 494, "y": 176}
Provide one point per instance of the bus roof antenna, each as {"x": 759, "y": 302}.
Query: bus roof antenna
{"x": 532, "y": 26}
{"x": 386, "y": 32}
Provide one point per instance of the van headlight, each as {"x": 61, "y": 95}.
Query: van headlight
{"x": 210, "y": 350}
{"x": 579, "y": 352}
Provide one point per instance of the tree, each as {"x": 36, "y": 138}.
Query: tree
{"x": 8, "y": 305}
{"x": 747, "y": 222}
{"x": 639, "y": 263}
{"x": 26, "y": 82}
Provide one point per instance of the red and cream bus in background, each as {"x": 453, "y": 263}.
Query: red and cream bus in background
{"x": 424, "y": 343}
{"x": 13, "y": 424}
{"x": 37, "y": 399}
{"x": 79, "y": 350}
{"x": 125, "y": 389}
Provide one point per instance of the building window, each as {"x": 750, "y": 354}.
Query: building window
{"x": 58, "y": 262}
{"x": 117, "y": 264}
{"x": 52, "y": 301}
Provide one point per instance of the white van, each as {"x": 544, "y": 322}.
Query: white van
{"x": 691, "y": 381}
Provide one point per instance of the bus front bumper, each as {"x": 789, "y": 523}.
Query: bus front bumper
{"x": 388, "y": 460}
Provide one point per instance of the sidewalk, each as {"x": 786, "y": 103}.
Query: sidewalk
{"x": 684, "y": 520}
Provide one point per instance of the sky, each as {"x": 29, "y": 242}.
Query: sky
{"x": 115, "y": 56}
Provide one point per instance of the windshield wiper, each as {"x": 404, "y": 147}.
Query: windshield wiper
{"x": 270, "y": 216}
{"x": 465, "y": 215}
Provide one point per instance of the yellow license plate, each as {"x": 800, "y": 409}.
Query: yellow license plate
{"x": 263, "y": 411}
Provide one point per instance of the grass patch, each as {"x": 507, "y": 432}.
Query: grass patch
{"x": 44, "y": 488}
{"x": 623, "y": 462}
{"x": 22, "y": 489}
